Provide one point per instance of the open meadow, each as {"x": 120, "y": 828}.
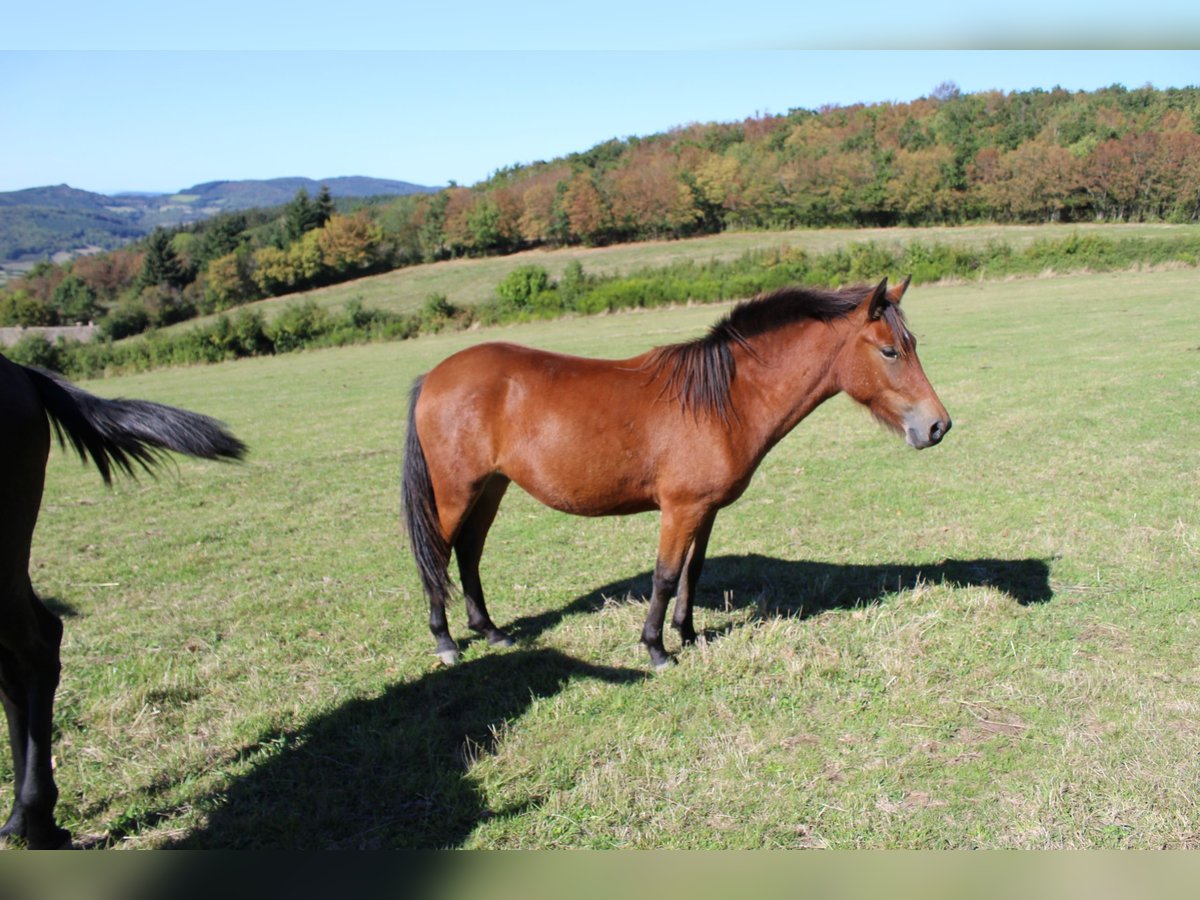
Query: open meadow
{"x": 991, "y": 643}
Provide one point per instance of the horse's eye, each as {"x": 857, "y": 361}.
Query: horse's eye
{"x": 889, "y": 352}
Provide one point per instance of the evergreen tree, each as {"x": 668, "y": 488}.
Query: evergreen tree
{"x": 324, "y": 206}
{"x": 162, "y": 265}
{"x": 221, "y": 236}
{"x": 299, "y": 216}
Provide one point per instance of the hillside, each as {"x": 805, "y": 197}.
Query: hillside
{"x": 222, "y": 196}
{"x": 43, "y": 222}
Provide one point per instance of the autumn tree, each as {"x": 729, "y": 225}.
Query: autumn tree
{"x": 647, "y": 198}
{"x": 541, "y": 219}
{"x": 457, "y": 229}
{"x": 109, "y": 274}
{"x": 586, "y": 209}
{"x": 349, "y": 244}
{"x": 227, "y": 281}
{"x": 1112, "y": 177}
{"x": 917, "y": 191}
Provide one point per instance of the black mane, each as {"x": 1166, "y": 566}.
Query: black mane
{"x": 699, "y": 373}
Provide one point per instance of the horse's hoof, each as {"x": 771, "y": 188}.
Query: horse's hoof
{"x": 500, "y": 639}
{"x": 661, "y": 662}
{"x": 58, "y": 839}
{"x": 448, "y": 657}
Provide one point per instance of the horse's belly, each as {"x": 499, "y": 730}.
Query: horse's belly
{"x": 586, "y": 491}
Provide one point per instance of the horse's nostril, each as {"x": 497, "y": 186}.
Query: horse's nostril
{"x": 938, "y": 431}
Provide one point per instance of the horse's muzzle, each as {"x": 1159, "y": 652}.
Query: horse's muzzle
{"x": 926, "y": 434}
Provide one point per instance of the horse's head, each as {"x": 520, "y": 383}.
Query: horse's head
{"x": 879, "y": 368}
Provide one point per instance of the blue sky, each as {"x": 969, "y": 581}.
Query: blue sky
{"x": 133, "y": 96}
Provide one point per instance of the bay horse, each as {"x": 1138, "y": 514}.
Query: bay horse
{"x": 116, "y": 434}
{"x": 680, "y": 428}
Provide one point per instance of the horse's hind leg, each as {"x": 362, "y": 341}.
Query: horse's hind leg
{"x": 466, "y": 511}
{"x": 468, "y": 548}
{"x": 29, "y": 671}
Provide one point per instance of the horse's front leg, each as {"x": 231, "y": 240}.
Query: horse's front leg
{"x": 680, "y": 529}
{"x": 686, "y": 591}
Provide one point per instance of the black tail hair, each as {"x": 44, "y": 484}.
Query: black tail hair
{"x": 421, "y": 521}
{"x": 122, "y": 433}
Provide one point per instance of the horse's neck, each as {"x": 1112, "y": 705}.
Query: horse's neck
{"x": 787, "y": 376}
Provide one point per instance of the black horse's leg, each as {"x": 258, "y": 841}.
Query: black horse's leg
{"x": 12, "y": 690}
{"x": 681, "y": 620}
{"x": 446, "y": 649}
{"x": 468, "y": 548}
{"x": 29, "y": 672}
{"x": 679, "y": 530}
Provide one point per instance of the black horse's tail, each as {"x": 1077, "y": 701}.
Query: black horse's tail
{"x": 120, "y": 433}
{"x": 421, "y": 521}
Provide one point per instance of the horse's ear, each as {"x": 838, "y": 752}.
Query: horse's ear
{"x": 879, "y": 300}
{"x": 898, "y": 291}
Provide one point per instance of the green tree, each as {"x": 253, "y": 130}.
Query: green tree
{"x": 161, "y": 265}
{"x": 74, "y": 300}
{"x": 300, "y": 216}
{"x": 431, "y": 233}
{"x": 222, "y": 235}
{"x": 19, "y": 308}
{"x": 521, "y": 286}
{"x": 483, "y": 221}
{"x": 573, "y": 283}
{"x": 324, "y": 206}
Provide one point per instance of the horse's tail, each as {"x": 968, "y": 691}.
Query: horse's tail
{"x": 120, "y": 433}
{"x": 421, "y": 520}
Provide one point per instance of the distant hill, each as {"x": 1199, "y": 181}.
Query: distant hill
{"x": 227, "y": 195}
{"x": 45, "y": 222}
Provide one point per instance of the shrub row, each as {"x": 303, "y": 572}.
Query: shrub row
{"x": 529, "y": 293}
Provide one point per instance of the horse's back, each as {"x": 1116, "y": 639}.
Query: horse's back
{"x": 511, "y": 380}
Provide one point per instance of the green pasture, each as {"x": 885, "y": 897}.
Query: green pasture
{"x": 470, "y": 282}
{"x": 992, "y": 643}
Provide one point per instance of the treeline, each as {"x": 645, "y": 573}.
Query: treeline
{"x": 529, "y": 292}
{"x": 1031, "y": 156}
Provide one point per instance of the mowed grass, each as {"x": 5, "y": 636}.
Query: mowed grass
{"x": 992, "y": 643}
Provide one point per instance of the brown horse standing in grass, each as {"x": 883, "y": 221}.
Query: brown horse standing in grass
{"x": 680, "y": 428}
{"x": 115, "y": 434}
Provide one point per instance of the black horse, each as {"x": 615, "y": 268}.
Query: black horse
{"x": 117, "y": 434}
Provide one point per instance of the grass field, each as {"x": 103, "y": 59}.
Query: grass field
{"x": 993, "y": 643}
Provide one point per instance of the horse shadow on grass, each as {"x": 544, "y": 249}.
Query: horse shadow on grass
{"x": 391, "y": 771}
{"x": 800, "y": 589}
